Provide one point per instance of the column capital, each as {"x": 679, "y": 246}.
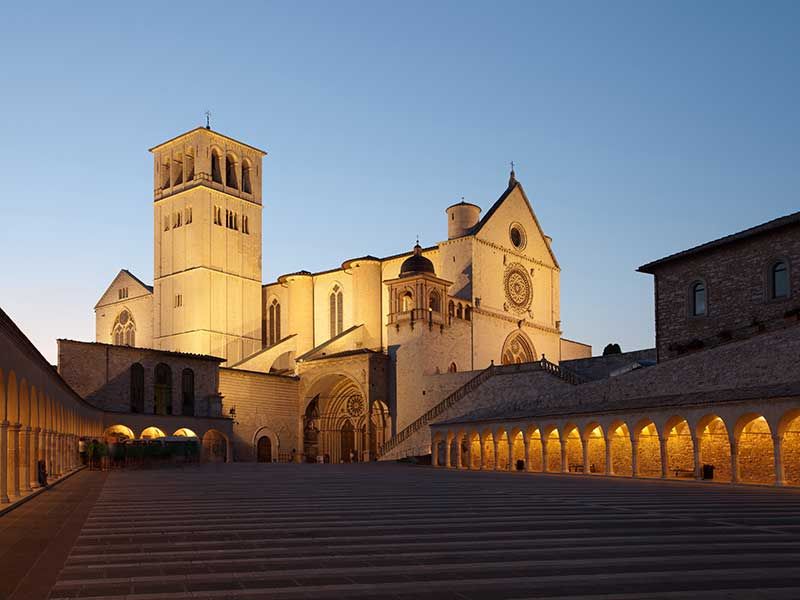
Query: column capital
{"x": 28, "y": 429}
{"x": 777, "y": 439}
{"x": 4, "y": 424}
{"x": 16, "y": 426}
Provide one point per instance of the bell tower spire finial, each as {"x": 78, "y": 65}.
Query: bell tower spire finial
{"x": 512, "y": 178}
{"x": 208, "y": 119}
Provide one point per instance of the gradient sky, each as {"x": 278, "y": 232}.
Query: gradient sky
{"x": 638, "y": 129}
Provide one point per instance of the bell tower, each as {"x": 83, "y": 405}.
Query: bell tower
{"x": 207, "y": 245}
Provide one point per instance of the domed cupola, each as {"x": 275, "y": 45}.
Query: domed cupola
{"x": 416, "y": 264}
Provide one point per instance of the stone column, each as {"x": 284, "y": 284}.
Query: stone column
{"x": 698, "y": 471}
{"x": 458, "y": 452}
{"x": 14, "y": 458}
{"x": 735, "y": 462}
{"x": 664, "y": 457}
{"x": 448, "y": 443}
{"x": 634, "y": 458}
{"x": 609, "y": 462}
{"x": 585, "y": 449}
{"x": 780, "y": 475}
{"x": 564, "y": 463}
{"x": 469, "y": 452}
{"x": 26, "y": 459}
{"x": 4, "y": 462}
{"x": 496, "y": 459}
{"x": 481, "y": 456}
{"x": 527, "y": 443}
{"x": 36, "y": 432}
{"x": 43, "y": 447}
{"x": 545, "y": 461}
{"x": 299, "y": 456}
{"x": 434, "y": 454}
{"x": 510, "y": 454}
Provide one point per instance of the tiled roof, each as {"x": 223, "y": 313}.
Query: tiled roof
{"x": 137, "y": 348}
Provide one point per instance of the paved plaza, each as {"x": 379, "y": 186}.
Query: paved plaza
{"x": 395, "y": 531}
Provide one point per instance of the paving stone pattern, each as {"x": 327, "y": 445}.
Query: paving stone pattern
{"x": 395, "y": 531}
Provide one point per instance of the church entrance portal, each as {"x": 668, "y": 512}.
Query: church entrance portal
{"x": 336, "y": 427}
{"x": 264, "y": 450}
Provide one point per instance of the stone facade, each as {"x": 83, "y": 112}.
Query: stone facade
{"x": 101, "y": 374}
{"x": 264, "y": 405}
{"x": 736, "y": 274}
{"x": 490, "y": 294}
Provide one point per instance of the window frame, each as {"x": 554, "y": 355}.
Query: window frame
{"x": 770, "y": 279}
{"x": 691, "y": 297}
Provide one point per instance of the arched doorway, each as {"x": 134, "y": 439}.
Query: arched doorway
{"x": 348, "y": 442}
{"x": 264, "y": 449}
{"x": 215, "y": 446}
{"x": 338, "y": 425}
{"x": 517, "y": 349}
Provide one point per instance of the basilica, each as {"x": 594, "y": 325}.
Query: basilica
{"x": 329, "y": 365}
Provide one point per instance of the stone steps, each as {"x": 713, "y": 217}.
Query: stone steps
{"x": 394, "y": 531}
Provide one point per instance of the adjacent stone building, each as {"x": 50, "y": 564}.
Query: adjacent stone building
{"x": 727, "y": 289}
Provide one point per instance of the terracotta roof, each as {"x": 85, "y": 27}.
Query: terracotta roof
{"x": 227, "y": 137}
{"x": 148, "y": 287}
{"x": 135, "y": 348}
{"x": 785, "y": 221}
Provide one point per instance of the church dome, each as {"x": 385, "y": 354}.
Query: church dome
{"x": 416, "y": 264}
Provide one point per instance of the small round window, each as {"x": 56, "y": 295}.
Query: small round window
{"x": 517, "y": 235}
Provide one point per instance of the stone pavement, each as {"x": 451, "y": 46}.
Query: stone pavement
{"x": 36, "y": 537}
{"x": 394, "y": 531}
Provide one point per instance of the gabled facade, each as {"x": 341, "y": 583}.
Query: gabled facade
{"x": 124, "y": 313}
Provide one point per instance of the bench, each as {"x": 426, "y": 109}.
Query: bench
{"x": 683, "y": 472}
{"x": 576, "y": 468}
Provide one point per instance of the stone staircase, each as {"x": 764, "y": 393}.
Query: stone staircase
{"x": 393, "y": 448}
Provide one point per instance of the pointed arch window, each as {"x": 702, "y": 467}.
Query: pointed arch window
{"x": 336, "y": 300}
{"x": 163, "y": 390}
{"x": 246, "y": 176}
{"x": 187, "y": 392}
{"x": 188, "y": 161}
{"x": 216, "y": 168}
{"x": 137, "y": 388}
{"x": 230, "y": 172}
{"x": 124, "y": 330}
{"x": 274, "y": 325}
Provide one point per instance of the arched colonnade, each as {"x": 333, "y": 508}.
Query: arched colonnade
{"x": 41, "y": 417}
{"x": 756, "y": 443}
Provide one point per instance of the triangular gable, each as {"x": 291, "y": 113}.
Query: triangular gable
{"x": 123, "y": 278}
{"x": 516, "y": 185}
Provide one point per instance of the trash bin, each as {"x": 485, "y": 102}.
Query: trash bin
{"x": 708, "y": 471}
{"x": 520, "y": 465}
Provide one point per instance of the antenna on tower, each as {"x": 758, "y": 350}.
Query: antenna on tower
{"x": 208, "y": 119}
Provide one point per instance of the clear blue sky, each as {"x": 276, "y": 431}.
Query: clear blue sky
{"x": 637, "y": 128}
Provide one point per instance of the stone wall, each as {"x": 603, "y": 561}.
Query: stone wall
{"x": 264, "y": 405}
{"x": 101, "y": 374}
{"x": 736, "y": 276}
{"x": 498, "y": 390}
